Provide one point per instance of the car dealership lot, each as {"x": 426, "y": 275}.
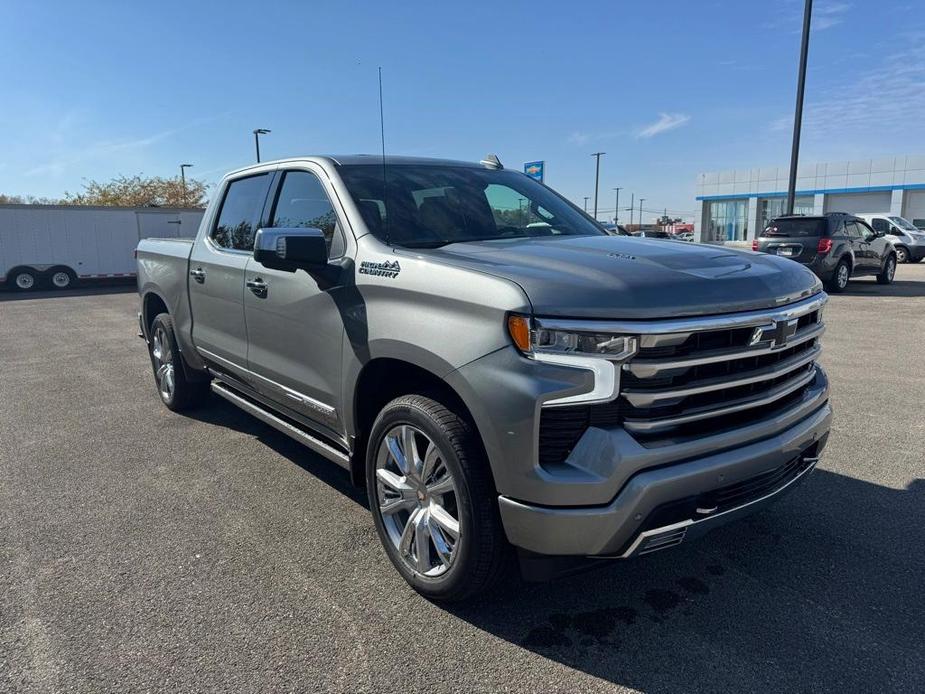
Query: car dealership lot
{"x": 141, "y": 549}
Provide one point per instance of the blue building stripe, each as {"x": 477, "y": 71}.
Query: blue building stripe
{"x": 815, "y": 191}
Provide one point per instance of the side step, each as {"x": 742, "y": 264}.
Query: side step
{"x": 280, "y": 424}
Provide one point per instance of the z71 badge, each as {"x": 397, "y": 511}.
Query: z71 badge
{"x": 387, "y": 268}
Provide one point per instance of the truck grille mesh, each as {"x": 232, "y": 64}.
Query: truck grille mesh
{"x": 684, "y": 385}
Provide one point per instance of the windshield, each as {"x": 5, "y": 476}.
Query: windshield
{"x": 795, "y": 227}
{"x": 903, "y": 224}
{"x": 431, "y": 206}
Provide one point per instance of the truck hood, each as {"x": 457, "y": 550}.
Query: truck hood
{"x": 618, "y": 277}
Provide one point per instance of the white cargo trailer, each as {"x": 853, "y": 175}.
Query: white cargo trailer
{"x": 59, "y": 245}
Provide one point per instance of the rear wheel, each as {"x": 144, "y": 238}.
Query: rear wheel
{"x": 433, "y": 500}
{"x": 889, "y": 271}
{"x": 176, "y": 391}
{"x": 840, "y": 277}
{"x": 902, "y": 254}
{"x": 24, "y": 280}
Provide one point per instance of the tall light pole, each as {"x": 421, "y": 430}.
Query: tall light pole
{"x": 616, "y": 209}
{"x": 586, "y": 203}
{"x": 183, "y": 168}
{"x": 798, "y": 115}
{"x": 640, "y": 212}
{"x": 631, "y": 207}
{"x": 597, "y": 177}
{"x": 257, "y": 133}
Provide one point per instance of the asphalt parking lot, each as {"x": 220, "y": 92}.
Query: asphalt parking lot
{"x": 144, "y": 550}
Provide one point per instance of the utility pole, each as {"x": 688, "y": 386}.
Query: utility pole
{"x": 183, "y": 168}
{"x": 616, "y": 209}
{"x": 798, "y": 114}
{"x": 597, "y": 177}
{"x": 257, "y": 133}
{"x": 631, "y": 207}
{"x": 586, "y": 204}
{"x": 640, "y": 212}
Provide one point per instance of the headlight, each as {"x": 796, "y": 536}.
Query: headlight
{"x": 616, "y": 347}
{"x": 600, "y": 353}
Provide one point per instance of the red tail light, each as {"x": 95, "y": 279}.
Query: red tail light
{"x": 824, "y": 246}
{"x": 754, "y": 244}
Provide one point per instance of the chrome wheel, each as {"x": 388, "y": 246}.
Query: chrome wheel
{"x": 841, "y": 276}
{"x": 25, "y": 280}
{"x": 901, "y": 255}
{"x": 417, "y": 500}
{"x": 61, "y": 279}
{"x": 890, "y": 269}
{"x": 163, "y": 364}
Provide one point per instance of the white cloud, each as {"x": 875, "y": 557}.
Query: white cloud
{"x": 825, "y": 16}
{"x": 579, "y": 138}
{"x": 665, "y": 122}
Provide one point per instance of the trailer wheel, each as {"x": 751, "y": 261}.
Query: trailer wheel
{"x": 62, "y": 277}
{"x": 23, "y": 279}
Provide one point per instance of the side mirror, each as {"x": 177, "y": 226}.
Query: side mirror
{"x": 291, "y": 249}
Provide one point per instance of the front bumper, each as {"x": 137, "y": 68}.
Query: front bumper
{"x": 624, "y": 527}
{"x": 916, "y": 252}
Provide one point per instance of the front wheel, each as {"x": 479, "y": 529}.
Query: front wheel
{"x": 62, "y": 278}
{"x": 902, "y": 255}
{"x": 433, "y": 500}
{"x": 176, "y": 391}
{"x": 889, "y": 271}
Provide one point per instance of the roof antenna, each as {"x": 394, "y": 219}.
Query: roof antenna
{"x": 385, "y": 190}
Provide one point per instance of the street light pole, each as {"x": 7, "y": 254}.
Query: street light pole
{"x": 616, "y": 209}
{"x": 587, "y": 197}
{"x": 257, "y": 133}
{"x": 632, "y": 205}
{"x": 597, "y": 177}
{"x": 183, "y": 168}
{"x": 798, "y": 114}
{"x": 640, "y": 212}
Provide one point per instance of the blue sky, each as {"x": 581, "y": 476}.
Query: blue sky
{"x": 666, "y": 89}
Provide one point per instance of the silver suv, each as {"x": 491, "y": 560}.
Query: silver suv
{"x": 907, "y": 239}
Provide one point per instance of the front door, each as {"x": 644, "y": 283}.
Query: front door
{"x": 294, "y": 326}
{"x": 216, "y": 267}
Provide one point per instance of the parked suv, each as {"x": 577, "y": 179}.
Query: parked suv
{"x": 495, "y": 369}
{"x": 836, "y": 246}
{"x": 907, "y": 239}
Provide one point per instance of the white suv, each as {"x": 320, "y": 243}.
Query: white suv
{"x": 908, "y": 240}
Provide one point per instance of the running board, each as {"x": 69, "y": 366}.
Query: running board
{"x": 280, "y": 424}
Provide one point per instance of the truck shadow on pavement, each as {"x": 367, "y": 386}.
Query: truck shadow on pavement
{"x": 870, "y": 288}
{"x": 822, "y": 591}
{"x": 79, "y": 291}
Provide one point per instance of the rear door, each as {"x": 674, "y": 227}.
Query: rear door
{"x": 863, "y": 263}
{"x": 294, "y": 325}
{"x": 216, "y": 282}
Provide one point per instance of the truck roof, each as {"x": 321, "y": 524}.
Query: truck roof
{"x": 363, "y": 160}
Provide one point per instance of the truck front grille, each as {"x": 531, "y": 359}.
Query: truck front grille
{"x": 699, "y": 377}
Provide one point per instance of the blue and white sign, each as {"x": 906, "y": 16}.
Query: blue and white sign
{"x": 535, "y": 170}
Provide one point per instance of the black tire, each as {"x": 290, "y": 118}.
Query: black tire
{"x": 840, "y": 277}
{"x": 23, "y": 279}
{"x": 182, "y": 394}
{"x": 482, "y": 555}
{"x": 61, "y": 278}
{"x": 902, "y": 255}
{"x": 889, "y": 270}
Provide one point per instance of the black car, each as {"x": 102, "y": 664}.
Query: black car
{"x": 836, "y": 246}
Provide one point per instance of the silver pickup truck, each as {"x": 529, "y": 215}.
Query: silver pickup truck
{"x": 507, "y": 380}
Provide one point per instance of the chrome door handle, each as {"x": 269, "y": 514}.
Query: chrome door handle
{"x": 198, "y": 274}
{"x": 257, "y": 286}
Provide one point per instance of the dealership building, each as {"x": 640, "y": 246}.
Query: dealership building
{"x": 732, "y": 205}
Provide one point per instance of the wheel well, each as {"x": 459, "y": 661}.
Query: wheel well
{"x": 381, "y": 381}
{"x": 152, "y": 307}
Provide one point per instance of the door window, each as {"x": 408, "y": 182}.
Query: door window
{"x": 237, "y": 218}
{"x": 302, "y": 202}
{"x": 865, "y": 231}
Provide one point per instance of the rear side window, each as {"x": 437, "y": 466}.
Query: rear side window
{"x": 302, "y": 202}
{"x": 238, "y": 217}
{"x": 795, "y": 227}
